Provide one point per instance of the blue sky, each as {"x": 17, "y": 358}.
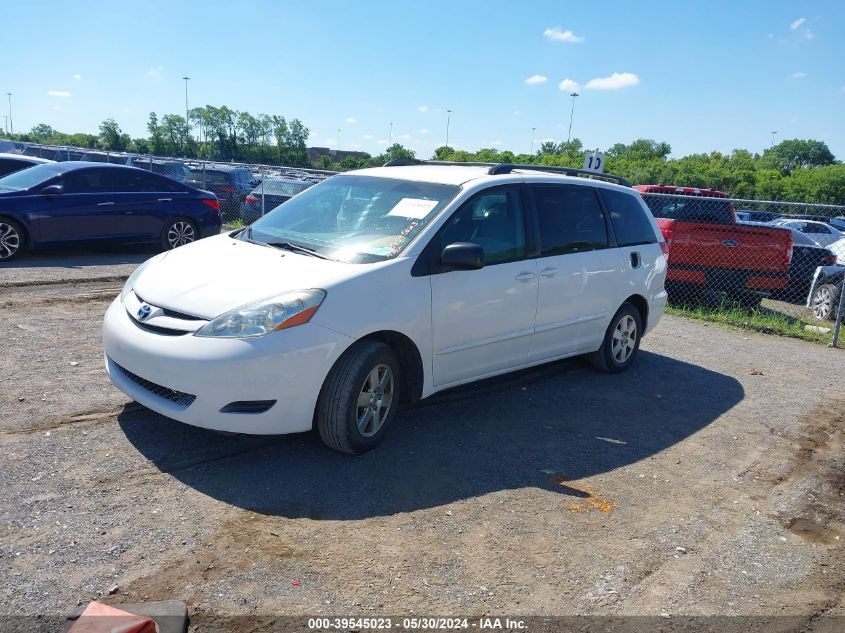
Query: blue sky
{"x": 700, "y": 75}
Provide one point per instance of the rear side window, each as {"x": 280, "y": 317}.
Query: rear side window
{"x": 630, "y": 222}
{"x": 569, "y": 219}
{"x": 138, "y": 182}
{"x": 211, "y": 177}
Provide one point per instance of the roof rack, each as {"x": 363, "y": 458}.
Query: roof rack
{"x": 495, "y": 169}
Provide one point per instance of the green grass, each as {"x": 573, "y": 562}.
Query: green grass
{"x": 234, "y": 224}
{"x": 759, "y": 319}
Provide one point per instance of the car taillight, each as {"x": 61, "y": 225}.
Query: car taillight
{"x": 212, "y": 203}
{"x": 789, "y": 245}
{"x": 251, "y": 199}
{"x": 665, "y": 248}
{"x": 226, "y": 188}
{"x": 829, "y": 260}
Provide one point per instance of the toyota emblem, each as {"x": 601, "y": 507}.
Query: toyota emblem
{"x": 144, "y": 311}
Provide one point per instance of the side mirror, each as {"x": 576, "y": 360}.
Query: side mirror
{"x": 462, "y": 256}
{"x": 52, "y": 190}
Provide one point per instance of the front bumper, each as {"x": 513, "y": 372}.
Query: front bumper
{"x": 190, "y": 378}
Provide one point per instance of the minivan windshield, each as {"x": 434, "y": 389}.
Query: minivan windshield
{"x": 356, "y": 219}
{"x": 29, "y": 177}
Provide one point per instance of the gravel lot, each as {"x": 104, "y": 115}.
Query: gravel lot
{"x": 709, "y": 479}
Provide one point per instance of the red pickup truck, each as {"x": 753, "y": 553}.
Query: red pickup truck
{"x": 709, "y": 251}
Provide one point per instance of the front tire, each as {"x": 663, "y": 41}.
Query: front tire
{"x": 359, "y": 398}
{"x": 621, "y": 341}
{"x": 178, "y": 232}
{"x": 824, "y": 302}
{"x": 12, "y": 240}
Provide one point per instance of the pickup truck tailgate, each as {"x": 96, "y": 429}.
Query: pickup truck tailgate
{"x": 733, "y": 246}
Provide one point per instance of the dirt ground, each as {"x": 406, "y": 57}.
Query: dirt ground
{"x": 709, "y": 479}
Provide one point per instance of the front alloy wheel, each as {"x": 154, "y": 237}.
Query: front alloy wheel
{"x": 359, "y": 397}
{"x": 10, "y": 240}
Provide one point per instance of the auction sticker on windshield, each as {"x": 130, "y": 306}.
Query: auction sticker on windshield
{"x": 413, "y": 208}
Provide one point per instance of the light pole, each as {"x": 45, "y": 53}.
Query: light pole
{"x": 390, "y": 135}
{"x": 6, "y": 127}
{"x": 338, "y": 143}
{"x": 773, "y": 137}
{"x": 448, "y": 117}
{"x": 533, "y": 129}
{"x": 187, "y": 124}
{"x": 571, "y": 114}
{"x": 11, "y": 123}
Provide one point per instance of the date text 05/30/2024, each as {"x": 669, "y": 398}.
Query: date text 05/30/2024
{"x": 416, "y": 624}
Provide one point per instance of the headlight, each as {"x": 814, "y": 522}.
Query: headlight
{"x": 130, "y": 283}
{"x": 268, "y": 315}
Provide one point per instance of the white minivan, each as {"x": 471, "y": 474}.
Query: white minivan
{"x": 386, "y": 285}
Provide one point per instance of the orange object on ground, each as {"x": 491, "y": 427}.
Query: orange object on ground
{"x": 101, "y": 618}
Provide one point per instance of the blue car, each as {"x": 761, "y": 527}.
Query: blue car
{"x": 65, "y": 204}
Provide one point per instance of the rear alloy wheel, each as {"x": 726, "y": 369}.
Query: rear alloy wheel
{"x": 621, "y": 341}
{"x": 823, "y": 302}
{"x": 11, "y": 239}
{"x": 177, "y": 233}
{"x": 359, "y": 399}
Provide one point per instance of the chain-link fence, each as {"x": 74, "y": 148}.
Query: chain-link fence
{"x": 775, "y": 260}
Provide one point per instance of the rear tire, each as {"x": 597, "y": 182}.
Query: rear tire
{"x": 621, "y": 341}
{"x": 824, "y": 302}
{"x": 178, "y": 232}
{"x": 12, "y": 239}
{"x": 359, "y": 398}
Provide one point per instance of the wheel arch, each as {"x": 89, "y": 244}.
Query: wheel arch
{"x": 641, "y": 304}
{"x": 410, "y": 360}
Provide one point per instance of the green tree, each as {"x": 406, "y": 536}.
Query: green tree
{"x": 790, "y": 155}
{"x": 111, "y": 136}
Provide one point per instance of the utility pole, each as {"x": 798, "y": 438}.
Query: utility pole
{"x": 11, "y": 123}
{"x": 533, "y": 129}
{"x": 448, "y": 117}
{"x": 338, "y": 143}
{"x": 6, "y": 127}
{"x": 187, "y": 123}
{"x": 773, "y": 137}
{"x": 390, "y": 135}
{"x": 571, "y": 114}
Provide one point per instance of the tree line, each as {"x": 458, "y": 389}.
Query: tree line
{"x": 796, "y": 170}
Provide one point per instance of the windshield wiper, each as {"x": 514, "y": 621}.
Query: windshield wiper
{"x": 297, "y": 248}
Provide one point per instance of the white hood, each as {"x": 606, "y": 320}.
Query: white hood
{"x": 218, "y": 274}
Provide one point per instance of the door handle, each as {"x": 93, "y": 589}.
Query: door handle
{"x": 105, "y": 204}
{"x": 525, "y": 276}
{"x": 165, "y": 199}
{"x": 635, "y": 259}
{"x": 548, "y": 272}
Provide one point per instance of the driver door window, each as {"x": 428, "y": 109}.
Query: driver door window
{"x": 494, "y": 220}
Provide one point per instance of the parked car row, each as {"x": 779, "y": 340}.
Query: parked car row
{"x": 70, "y": 203}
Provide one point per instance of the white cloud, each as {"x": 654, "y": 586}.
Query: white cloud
{"x": 422, "y": 108}
{"x": 77, "y": 77}
{"x": 517, "y": 112}
{"x": 156, "y": 71}
{"x": 614, "y": 82}
{"x": 796, "y": 24}
{"x": 368, "y": 136}
{"x": 798, "y": 75}
{"x": 58, "y": 93}
{"x": 496, "y": 143}
{"x": 568, "y": 85}
{"x": 807, "y": 34}
{"x": 350, "y": 119}
{"x": 424, "y": 131}
{"x": 381, "y": 142}
{"x": 536, "y": 79}
{"x": 57, "y": 107}
{"x": 405, "y": 137}
{"x": 556, "y": 35}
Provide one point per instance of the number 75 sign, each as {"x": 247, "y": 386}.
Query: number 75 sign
{"x": 594, "y": 161}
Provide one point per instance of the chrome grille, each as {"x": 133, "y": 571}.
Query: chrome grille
{"x": 177, "y": 397}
